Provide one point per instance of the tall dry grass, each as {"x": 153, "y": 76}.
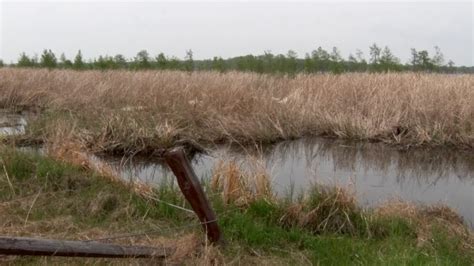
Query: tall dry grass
{"x": 139, "y": 111}
{"x": 241, "y": 187}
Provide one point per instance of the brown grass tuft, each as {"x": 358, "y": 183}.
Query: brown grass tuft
{"x": 325, "y": 209}
{"x": 428, "y": 219}
{"x": 239, "y": 187}
{"x": 65, "y": 148}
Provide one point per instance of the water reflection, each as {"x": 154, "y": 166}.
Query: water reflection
{"x": 11, "y": 123}
{"x": 377, "y": 172}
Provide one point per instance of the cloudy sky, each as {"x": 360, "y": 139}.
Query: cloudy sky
{"x": 234, "y": 28}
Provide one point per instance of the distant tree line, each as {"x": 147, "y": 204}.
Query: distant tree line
{"x": 319, "y": 60}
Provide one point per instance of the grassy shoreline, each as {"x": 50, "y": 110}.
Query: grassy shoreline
{"x": 127, "y": 112}
{"x": 52, "y": 198}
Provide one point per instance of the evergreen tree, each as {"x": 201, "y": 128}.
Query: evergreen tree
{"x": 174, "y": 63}
{"x": 291, "y": 65}
{"x": 414, "y": 61}
{"x": 269, "y": 64}
{"x": 374, "y": 54}
{"x": 100, "y": 63}
{"x": 425, "y": 61}
{"x": 120, "y": 61}
{"x": 360, "y": 56}
{"x": 24, "y": 61}
{"x": 388, "y": 61}
{"x": 438, "y": 58}
{"x": 78, "y": 62}
{"x": 336, "y": 61}
{"x": 352, "y": 59}
{"x": 64, "y": 62}
{"x": 48, "y": 59}
{"x": 335, "y": 55}
{"x": 361, "y": 62}
{"x": 161, "y": 61}
{"x": 218, "y": 64}
{"x": 309, "y": 65}
{"x": 142, "y": 60}
{"x": 321, "y": 59}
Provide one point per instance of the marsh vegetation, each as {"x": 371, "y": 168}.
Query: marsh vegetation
{"x": 41, "y": 196}
{"x": 76, "y": 114}
{"x": 138, "y": 112}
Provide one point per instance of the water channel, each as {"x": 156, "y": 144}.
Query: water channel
{"x": 376, "y": 172}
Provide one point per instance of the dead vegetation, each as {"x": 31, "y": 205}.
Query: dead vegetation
{"x": 428, "y": 219}
{"x": 325, "y": 209}
{"x": 241, "y": 187}
{"x": 129, "y": 112}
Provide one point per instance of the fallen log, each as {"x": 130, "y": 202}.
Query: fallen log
{"x": 66, "y": 248}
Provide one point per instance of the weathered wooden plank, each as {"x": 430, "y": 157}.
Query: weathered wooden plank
{"x": 192, "y": 190}
{"x": 50, "y": 247}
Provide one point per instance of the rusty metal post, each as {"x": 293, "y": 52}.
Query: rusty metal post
{"x": 192, "y": 190}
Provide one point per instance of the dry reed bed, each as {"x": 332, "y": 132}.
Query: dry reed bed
{"x": 140, "y": 111}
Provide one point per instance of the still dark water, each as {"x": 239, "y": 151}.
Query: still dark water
{"x": 376, "y": 172}
{"x": 11, "y": 123}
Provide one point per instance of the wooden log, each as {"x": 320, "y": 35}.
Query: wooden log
{"x": 50, "y": 247}
{"x": 192, "y": 190}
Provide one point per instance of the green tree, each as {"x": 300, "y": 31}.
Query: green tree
{"x": 48, "y": 59}
{"x": 218, "y": 64}
{"x": 1, "y": 63}
{"x": 352, "y": 63}
{"x": 142, "y": 60}
{"x": 438, "y": 58}
{"x": 358, "y": 63}
{"x": 352, "y": 59}
{"x": 420, "y": 60}
{"x": 309, "y": 65}
{"x": 375, "y": 54}
{"x": 100, "y": 63}
{"x": 414, "y": 61}
{"x": 388, "y": 61}
{"x": 161, "y": 61}
{"x": 174, "y": 63}
{"x": 321, "y": 59}
{"x": 425, "y": 61}
{"x": 64, "y": 62}
{"x": 336, "y": 61}
{"x": 291, "y": 65}
{"x": 120, "y": 61}
{"x": 78, "y": 61}
{"x": 335, "y": 55}
{"x": 25, "y": 61}
{"x": 320, "y": 54}
{"x": 360, "y": 56}
{"x": 269, "y": 64}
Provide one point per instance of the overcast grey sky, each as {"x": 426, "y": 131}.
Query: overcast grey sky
{"x": 235, "y": 28}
